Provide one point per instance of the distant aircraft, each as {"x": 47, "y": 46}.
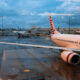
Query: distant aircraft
{"x": 21, "y": 34}
{"x": 69, "y": 45}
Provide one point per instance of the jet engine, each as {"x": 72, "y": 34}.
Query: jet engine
{"x": 70, "y": 57}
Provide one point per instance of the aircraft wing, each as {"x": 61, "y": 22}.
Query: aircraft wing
{"x": 40, "y": 46}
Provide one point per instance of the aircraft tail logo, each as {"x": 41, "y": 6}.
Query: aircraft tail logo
{"x": 53, "y": 30}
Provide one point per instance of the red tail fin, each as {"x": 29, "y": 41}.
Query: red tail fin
{"x": 53, "y": 30}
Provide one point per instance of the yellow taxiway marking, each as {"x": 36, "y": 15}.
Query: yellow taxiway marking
{"x": 26, "y": 70}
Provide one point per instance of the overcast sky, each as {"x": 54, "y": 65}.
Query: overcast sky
{"x": 27, "y": 13}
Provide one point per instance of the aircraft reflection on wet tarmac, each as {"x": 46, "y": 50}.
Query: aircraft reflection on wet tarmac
{"x": 59, "y": 70}
{"x": 46, "y": 63}
{"x": 66, "y": 71}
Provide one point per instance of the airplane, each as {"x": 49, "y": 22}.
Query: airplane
{"x": 21, "y": 34}
{"x": 69, "y": 44}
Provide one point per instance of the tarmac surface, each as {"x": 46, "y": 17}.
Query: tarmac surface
{"x": 28, "y": 63}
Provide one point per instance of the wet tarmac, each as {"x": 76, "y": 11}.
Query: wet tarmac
{"x": 28, "y": 63}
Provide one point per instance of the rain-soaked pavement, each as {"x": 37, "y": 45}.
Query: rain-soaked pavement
{"x": 28, "y": 63}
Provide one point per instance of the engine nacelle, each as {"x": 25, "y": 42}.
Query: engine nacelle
{"x": 70, "y": 57}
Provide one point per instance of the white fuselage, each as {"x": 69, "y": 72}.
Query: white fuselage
{"x": 66, "y": 40}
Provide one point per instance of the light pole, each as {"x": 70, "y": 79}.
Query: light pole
{"x": 2, "y": 27}
{"x": 69, "y": 24}
{"x": 69, "y": 21}
{"x": 2, "y": 23}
